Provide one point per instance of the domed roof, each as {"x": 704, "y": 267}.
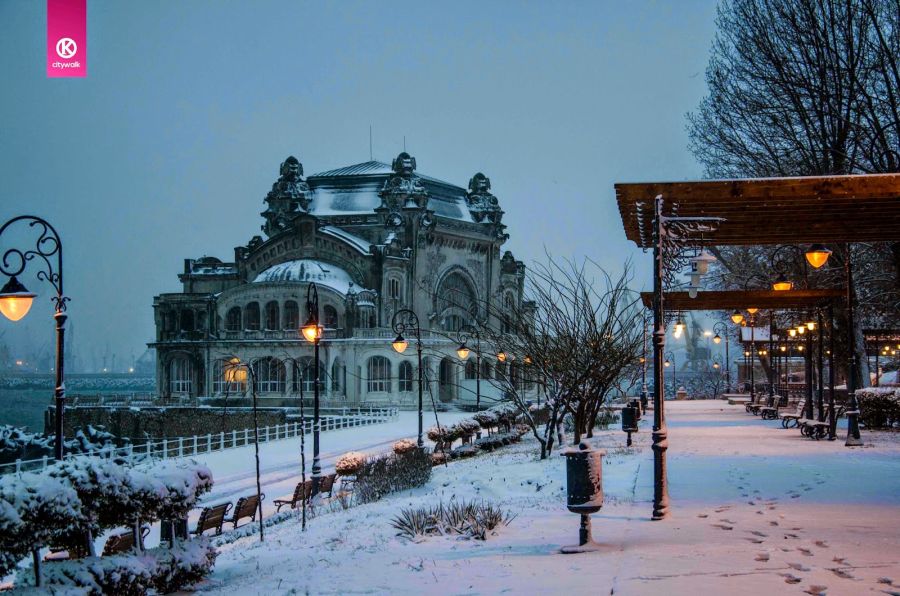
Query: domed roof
{"x": 306, "y": 271}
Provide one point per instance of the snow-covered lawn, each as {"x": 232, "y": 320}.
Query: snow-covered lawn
{"x": 756, "y": 510}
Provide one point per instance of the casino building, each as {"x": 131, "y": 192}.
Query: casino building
{"x": 373, "y": 238}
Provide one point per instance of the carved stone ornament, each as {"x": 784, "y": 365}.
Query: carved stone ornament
{"x": 289, "y": 196}
{"x": 403, "y": 188}
{"x": 483, "y": 205}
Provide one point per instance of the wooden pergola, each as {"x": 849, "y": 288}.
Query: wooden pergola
{"x": 670, "y": 216}
{"x": 741, "y": 299}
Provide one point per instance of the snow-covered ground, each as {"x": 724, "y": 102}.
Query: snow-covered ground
{"x": 756, "y": 510}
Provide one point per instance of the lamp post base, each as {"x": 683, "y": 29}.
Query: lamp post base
{"x": 586, "y": 543}
{"x": 853, "y": 437}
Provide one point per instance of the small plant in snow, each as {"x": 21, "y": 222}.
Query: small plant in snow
{"x": 404, "y": 446}
{"x": 350, "y": 463}
{"x": 487, "y": 419}
{"x": 460, "y": 518}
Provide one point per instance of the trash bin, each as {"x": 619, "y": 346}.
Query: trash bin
{"x": 584, "y": 481}
{"x": 630, "y": 419}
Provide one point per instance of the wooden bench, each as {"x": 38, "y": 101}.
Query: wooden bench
{"x": 212, "y": 518}
{"x": 771, "y": 412}
{"x": 302, "y": 493}
{"x": 246, "y": 507}
{"x": 791, "y": 419}
{"x": 121, "y": 543}
{"x": 818, "y": 429}
{"x": 326, "y": 484}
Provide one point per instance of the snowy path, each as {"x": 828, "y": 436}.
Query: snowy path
{"x": 756, "y": 510}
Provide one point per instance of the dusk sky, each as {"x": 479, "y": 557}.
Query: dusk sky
{"x": 168, "y": 147}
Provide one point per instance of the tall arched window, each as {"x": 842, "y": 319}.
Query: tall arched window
{"x": 308, "y": 376}
{"x": 331, "y": 317}
{"x": 471, "y": 371}
{"x": 456, "y": 292}
{"x": 446, "y": 379}
{"x": 485, "y": 369}
{"x": 270, "y": 375}
{"x": 272, "y": 318}
{"x": 405, "y": 376}
{"x": 181, "y": 375}
{"x": 230, "y": 380}
{"x": 187, "y": 319}
{"x": 291, "y": 315}
{"x": 251, "y": 316}
{"x": 233, "y": 319}
{"x": 379, "y": 374}
{"x": 337, "y": 376}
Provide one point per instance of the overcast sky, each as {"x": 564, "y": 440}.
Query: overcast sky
{"x": 167, "y": 148}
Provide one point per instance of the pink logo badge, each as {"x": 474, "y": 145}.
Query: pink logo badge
{"x": 66, "y": 38}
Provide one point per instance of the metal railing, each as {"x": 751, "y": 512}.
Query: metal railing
{"x": 174, "y": 447}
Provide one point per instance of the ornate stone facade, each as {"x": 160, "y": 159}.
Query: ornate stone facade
{"x": 373, "y": 238}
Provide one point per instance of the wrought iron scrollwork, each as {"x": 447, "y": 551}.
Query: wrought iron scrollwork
{"x": 46, "y": 246}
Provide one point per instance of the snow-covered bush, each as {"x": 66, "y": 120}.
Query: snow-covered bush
{"x": 438, "y": 435}
{"x": 468, "y": 427}
{"x": 470, "y": 519}
{"x": 17, "y": 443}
{"x": 404, "y": 446}
{"x": 391, "y": 473}
{"x": 506, "y": 414}
{"x": 486, "y": 419}
{"x": 879, "y": 407}
{"x": 35, "y": 510}
{"x": 438, "y": 458}
{"x": 162, "y": 570}
{"x": 350, "y": 463}
{"x": 539, "y": 413}
{"x": 488, "y": 443}
{"x": 464, "y": 451}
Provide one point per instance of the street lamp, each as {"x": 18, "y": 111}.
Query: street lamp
{"x": 402, "y": 320}
{"x": 737, "y": 317}
{"x": 817, "y": 255}
{"x": 463, "y": 352}
{"x": 720, "y": 328}
{"x": 15, "y": 299}
{"x": 670, "y": 361}
{"x": 312, "y": 332}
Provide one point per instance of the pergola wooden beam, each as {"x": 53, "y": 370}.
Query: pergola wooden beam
{"x": 825, "y": 209}
{"x": 741, "y": 299}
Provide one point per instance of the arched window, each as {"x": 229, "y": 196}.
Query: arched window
{"x": 446, "y": 379}
{"x": 406, "y": 376}
{"x": 181, "y": 375}
{"x": 456, "y": 292}
{"x": 331, "y": 317}
{"x": 233, "y": 319}
{"x": 509, "y": 312}
{"x": 337, "y": 376}
{"x": 187, "y": 319}
{"x": 170, "y": 320}
{"x": 379, "y": 374}
{"x": 291, "y": 315}
{"x": 272, "y": 317}
{"x": 453, "y": 323}
{"x": 251, "y": 316}
{"x": 485, "y": 369}
{"x": 366, "y": 317}
{"x": 394, "y": 288}
{"x": 229, "y": 379}
{"x": 307, "y": 376}
{"x": 270, "y": 375}
{"x": 471, "y": 371}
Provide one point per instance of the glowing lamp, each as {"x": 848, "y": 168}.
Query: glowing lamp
{"x": 752, "y": 310}
{"x": 716, "y": 365}
{"x": 679, "y": 325}
{"x": 783, "y": 348}
{"x": 746, "y": 352}
{"x": 736, "y": 317}
{"x": 792, "y": 332}
{"x": 817, "y": 255}
{"x": 717, "y": 339}
{"x": 643, "y": 360}
{"x": 667, "y": 363}
{"x": 462, "y": 351}
{"x": 527, "y": 360}
{"x": 811, "y": 325}
{"x": 501, "y": 356}
{"x": 801, "y": 329}
{"x": 312, "y": 331}
{"x": 400, "y": 344}
{"x": 15, "y": 300}
{"x": 782, "y": 284}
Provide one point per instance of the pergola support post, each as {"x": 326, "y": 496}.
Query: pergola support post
{"x": 853, "y": 438}
{"x": 660, "y": 432}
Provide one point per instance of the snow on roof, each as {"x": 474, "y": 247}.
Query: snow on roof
{"x": 308, "y": 270}
{"x": 360, "y": 244}
{"x": 215, "y": 270}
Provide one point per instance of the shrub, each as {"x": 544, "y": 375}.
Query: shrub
{"x": 390, "y": 473}
{"x": 464, "y": 451}
{"x": 438, "y": 458}
{"x": 469, "y": 426}
{"x": 438, "y": 435}
{"x": 488, "y": 443}
{"x": 486, "y": 419}
{"x": 879, "y": 407}
{"x": 462, "y": 518}
{"x": 162, "y": 569}
{"x": 404, "y": 446}
{"x": 350, "y": 463}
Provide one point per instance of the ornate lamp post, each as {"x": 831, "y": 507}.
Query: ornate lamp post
{"x": 720, "y": 329}
{"x": 644, "y": 368}
{"x": 312, "y": 332}
{"x": 15, "y": 299}
{"x": 402, "y": 320}
{"x": 465, "y": 332}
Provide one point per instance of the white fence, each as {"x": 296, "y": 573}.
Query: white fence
{"x": 167, "y": 448}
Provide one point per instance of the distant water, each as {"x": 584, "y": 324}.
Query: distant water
{"x": 23, "y": 399}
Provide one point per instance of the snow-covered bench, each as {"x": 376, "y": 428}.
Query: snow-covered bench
{"x": 791, "y": 419}
{"x": 121, "y": 543}
{"x": 212, "y": 518}
{"x": 302, "y": 493}
{"x": 245, "y": 507}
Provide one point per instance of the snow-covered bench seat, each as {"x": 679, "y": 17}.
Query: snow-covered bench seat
{"x": 212, "y": 518}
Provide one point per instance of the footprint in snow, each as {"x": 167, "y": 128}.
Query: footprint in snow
{"x": 773, "y": 523}
{"x": 727, "y": 521}
{"x": 789, "y": 535}
{"x": 703, "y": 515}
{"x": 762, "y": 557}
{"x": 816, "y": 590}
{"x": 723, "y": 508}
{"x": 758, "y": 533}
{"x": 821, "y": 543}
{"x": 841, "y": 573}
{"x": 839, "y": 560}
{"x": 754, "y": 540}
{"x": 798, "y": 566}
{"x": 805, "y": 551}
{"x": 885, "y": 580}
{"x": 722, "y": 527}
{"x": 790, "y": 578}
